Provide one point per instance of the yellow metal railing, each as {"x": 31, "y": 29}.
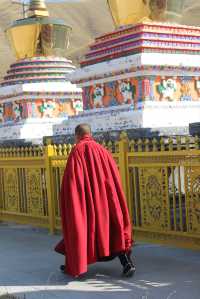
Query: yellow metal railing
{"x": 23, "y": 188}
{"x": 164, "y": 190}
{"x": 160, "y": 177}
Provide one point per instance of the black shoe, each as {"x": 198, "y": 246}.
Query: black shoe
{"x": 129, "y": 270}
{"x": 62, "y": 268}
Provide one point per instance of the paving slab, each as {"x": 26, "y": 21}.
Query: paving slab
{"x": 29, "y": 265}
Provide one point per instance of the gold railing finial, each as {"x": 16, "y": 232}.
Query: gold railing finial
{"x": 38, "y": 8}
{"x": 123, "y": 135}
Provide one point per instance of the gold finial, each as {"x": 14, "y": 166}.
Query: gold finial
{"x": 37, "y": 8}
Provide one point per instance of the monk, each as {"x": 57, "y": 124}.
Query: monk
{"x": 95, "y": 218}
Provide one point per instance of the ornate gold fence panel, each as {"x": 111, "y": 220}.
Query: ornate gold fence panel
{"x": 23, "y": 190}
{"x": 193, "y": 198}
{"x": 164, "y": 191}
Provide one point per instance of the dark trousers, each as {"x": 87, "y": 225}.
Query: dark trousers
{"x": 125, "y": 258}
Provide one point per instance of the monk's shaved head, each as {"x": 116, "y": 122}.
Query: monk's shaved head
{"x": 82, "y": 129}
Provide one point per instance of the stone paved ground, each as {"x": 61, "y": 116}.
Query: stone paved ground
{"x": 29, "y": 265}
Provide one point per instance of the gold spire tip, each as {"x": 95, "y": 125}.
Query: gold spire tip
{"x": 37, "y": 8}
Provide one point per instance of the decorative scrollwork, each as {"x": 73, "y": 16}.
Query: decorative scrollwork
{"x": 154, "y": 197}
{"x": 34, "y": 192}
{"x": 193, "y": 198}
{"x": 196, "y": 197}
{"x": 11, "y": 190}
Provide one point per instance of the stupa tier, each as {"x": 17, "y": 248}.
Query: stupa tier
{"x": 144, "y": 38}
{"x": 37, "y": 69}
{"x": 141, "y": 76}
{"x": 36, "y": 93}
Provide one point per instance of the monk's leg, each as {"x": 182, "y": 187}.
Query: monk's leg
{"x": 127, "y": 263}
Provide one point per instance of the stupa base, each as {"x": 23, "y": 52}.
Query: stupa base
{"x": 161, "y": 118}
{"x": 28, "y": 131}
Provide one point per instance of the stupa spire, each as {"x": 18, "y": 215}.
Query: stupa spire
{"x": 38, "y": 8}
{"x": 38, "y": 34}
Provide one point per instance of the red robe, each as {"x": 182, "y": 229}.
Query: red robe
{"x": 95, "y": 218}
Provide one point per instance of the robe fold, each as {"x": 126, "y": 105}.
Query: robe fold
{"x": 95, "y": 218}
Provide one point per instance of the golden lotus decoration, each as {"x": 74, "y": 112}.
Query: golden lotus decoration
{"x": 127, "y": 12}
{"x": 38, "y": 35}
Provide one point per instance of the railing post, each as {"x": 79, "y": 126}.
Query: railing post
{"x": 49, "y": 152}
{"x": 123, "y": 167}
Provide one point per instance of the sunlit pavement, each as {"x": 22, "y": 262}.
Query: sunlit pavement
{"x": 28, "y": 265}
